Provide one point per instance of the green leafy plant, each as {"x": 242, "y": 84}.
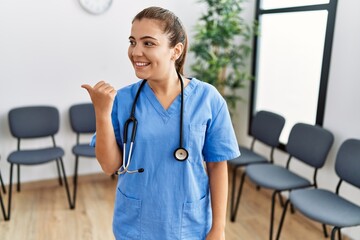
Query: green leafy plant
{"x": 222, "y": 46}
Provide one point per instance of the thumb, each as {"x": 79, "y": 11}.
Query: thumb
{"x": 87, "y": 87}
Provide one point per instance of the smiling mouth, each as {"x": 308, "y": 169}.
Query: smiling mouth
{"x": 141, "y": 64}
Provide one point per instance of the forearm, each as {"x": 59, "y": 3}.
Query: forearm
{"x": 218, "y": 179}
{"x": 107, "y": 151}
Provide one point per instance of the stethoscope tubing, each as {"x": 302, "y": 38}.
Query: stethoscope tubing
{"x": 180, "y": 153}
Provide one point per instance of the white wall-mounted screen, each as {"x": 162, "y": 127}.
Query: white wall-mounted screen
{"x": 289, "y": 64}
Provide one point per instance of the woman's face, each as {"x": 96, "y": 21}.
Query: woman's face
{"x": 149, "y": 50}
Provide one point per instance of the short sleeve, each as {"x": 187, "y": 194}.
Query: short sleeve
{"x": 93, "y": 140}
{"x": 220, "y": 140}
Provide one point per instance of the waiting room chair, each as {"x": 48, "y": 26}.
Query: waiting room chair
{"x": 30, "y": 123}
{"x": 266, "y": 128}
{"x": 310, "y": 144}
{"x": 82, "y": 121}
{"x": 328, "y": 207}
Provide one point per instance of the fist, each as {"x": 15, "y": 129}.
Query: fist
{"x": 102, "y": 95}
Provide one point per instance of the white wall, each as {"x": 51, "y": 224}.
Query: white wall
{"x": 49, "y": 48}
{"x": 342, "y": 116}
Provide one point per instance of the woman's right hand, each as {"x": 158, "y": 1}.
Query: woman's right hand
{"x": 102, "y": 96}
{"x": 107, "y": 151}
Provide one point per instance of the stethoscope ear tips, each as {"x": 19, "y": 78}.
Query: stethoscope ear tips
{"x": 140, "y": 170}
{"x": 181, "y": 154}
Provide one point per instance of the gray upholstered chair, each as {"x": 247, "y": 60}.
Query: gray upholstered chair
{"x": 328, "y": 207}
{"x": 307, "y": 143}
{"x": 30, "y": 123}
{"x": 82, "y": 121}
{"x": 265, "y": 128}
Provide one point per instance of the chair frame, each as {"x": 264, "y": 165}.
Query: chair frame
{"x": 234, "y": 204}
{"x": 278, "y": 192}
{"x": 335, "y": 229}
{"x": 59, "y": 164}
{"x": 75, "y": 127}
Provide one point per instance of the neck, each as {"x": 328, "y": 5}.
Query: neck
{"x": 165, "y": 87}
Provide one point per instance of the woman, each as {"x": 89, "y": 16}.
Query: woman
{"x": 163, "y": 193}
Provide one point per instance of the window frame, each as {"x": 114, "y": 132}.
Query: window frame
{"x": 325, "y": 66}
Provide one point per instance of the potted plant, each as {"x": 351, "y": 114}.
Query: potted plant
{"x": 221, "y": 47}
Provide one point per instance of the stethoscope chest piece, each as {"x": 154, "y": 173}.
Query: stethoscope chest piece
{"x": 181, "y": 154}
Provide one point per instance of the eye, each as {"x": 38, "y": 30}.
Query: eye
{"x": 132, "y": 42}
{"x": 149, "y": 44}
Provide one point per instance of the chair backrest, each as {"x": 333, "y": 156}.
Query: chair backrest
{"x": 347, "y": 165}
{"x": 82, "y": 118}
{"x": 34, "y": 121}
{"x": 309, "y": 144}
{"x": 266, "y": 127}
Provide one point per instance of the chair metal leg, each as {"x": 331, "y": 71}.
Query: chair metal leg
{"x": 282, "y": 219}
{"x": 66, "y": 184}
{"x": 10, "y": 191}
{"x": 2, "y": 206}
{"x": 59, "y": 173}
{"x": 236, "y": 207}
{"x": 333, "y": 233}
{"x": 2, "y": 184}
{"x": 292, "y": 208}
{"x": 281, "y": 199}
{"x": 325, "y": 231}
{"x": 233, "y": 193}
{"x": 272, "y": 213}
{"x": 75, "y": 180}
{"x": 18, "y": 177}
{"x": 1, "y": 199}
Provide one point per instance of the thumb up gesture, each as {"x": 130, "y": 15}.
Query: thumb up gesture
{"x": 102, "y": 96}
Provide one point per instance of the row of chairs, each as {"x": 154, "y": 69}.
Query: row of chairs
{"x": 33, "y": 122}
{"x": 309, "y": 144}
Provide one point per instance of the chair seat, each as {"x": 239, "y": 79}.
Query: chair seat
{"x": 37, "y": 156}
{"x": 281, "y": 178}
{"x": 84, "y": 150}
{"x": 247, "y": 157}
{"x": 326, "y": 207}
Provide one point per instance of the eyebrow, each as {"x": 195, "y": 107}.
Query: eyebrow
{"x": 144, "y": 37}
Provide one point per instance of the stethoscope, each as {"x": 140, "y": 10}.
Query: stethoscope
{"x": 180, "y": 154}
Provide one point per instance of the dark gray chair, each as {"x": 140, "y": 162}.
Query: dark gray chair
{"x": 1, "y": 199}
{"x": 34, "y": 122}
{"x": 266, "y": 128}
{"x": 309, "y": 144}
{"x": 82, "y": 121}
{"x": 328, "y": 207}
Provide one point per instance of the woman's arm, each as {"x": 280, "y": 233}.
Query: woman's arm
{"x": 107, "y": 151}
{"x": 218, "y": 178}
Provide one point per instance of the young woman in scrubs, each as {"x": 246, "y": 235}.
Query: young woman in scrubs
{"x": 166, "y": 198}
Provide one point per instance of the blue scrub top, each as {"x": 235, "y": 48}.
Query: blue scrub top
{"x": 170, "y": 199}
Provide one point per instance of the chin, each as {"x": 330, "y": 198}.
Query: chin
{"x": 140, "y": 75}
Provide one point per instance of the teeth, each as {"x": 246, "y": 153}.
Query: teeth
{"x": 140, "y": 64}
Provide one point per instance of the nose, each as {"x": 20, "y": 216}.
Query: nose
{"x": 136, "y": 50}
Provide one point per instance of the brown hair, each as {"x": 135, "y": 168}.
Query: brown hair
{"x": 171, "y": 26}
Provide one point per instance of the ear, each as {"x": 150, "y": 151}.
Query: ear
{"x": 177, "y": 50}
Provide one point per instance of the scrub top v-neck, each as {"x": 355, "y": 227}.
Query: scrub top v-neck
{"x": 170, "y": 199}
